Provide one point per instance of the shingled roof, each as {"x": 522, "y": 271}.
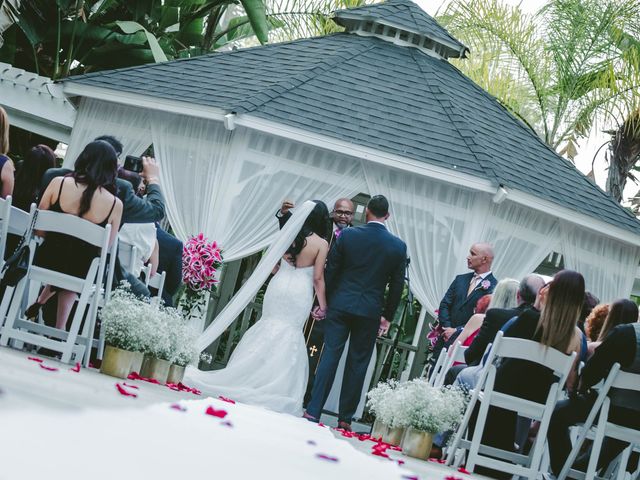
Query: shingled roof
{"x": 372, "y": 92}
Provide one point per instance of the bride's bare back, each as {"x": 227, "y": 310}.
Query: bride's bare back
{"x": 316, "y": 247}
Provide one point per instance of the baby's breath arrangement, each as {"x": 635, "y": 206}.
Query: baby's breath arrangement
{"x": 418, "y": 405}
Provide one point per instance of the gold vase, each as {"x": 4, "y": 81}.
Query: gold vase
{"x": 176, "y": 374}
{"x": 116, "y": 362}
{"x": 417, "y": 444}
{"x": 136, "y": 363}
{"x": 155, "y": 368}
{"x": 393, "y": 436}
{"x": 379, "y": 430}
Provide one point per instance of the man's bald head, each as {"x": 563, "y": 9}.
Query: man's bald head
{"x": 529, "y": 288}
{"x": 480, "y": 257}
{"x": 342, "y": 213}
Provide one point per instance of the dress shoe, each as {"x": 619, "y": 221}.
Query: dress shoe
{"x": 306, "y": 416}
{"x": 436, "y": 452}
{"x": 344, "y": 426}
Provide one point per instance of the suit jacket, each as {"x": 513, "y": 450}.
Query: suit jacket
{"x": 456, "y": 307}
{"x": 134, "y": 208}
{"x": 363, "y": 262}
{"x": 493, "y": 322}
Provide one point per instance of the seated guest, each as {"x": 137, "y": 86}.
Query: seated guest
{"x": 6, "y": 164}
{"x": 88, "y": 192}
{"x": 621, "y": 345}
{"x": 27, "y": 188}
{"x": 555, "y": 326}
{"x": 497, "y": 317}
{"x": 590, "y": 301}
{"x": 470, "y": 330}
{"x": 595, "y": 320}
{"x": 505, "y": 296}
{"x": 621, "y": 312}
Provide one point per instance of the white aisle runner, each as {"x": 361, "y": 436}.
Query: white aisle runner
{"x": 161, "y": 442}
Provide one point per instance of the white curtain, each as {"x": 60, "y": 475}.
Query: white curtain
{"x": 130, "y": 125}
{"x": 438, "y": 221}
{"x": 521, "y": 237}
{"x": 608, "y": 266}
{"x": 229, "y": 185}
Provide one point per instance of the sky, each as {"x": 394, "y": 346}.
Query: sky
{"x": 588, "y": 147}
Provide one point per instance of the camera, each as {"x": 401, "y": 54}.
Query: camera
{"x": 133, "y": 163}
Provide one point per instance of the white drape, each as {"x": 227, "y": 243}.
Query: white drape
{"x": 521, "y": 237}
{"x": 246, "y": 293}
{"x": 608, "y": 266}
{"x": 130, "y": 125}
{"x": 229, "y": 185}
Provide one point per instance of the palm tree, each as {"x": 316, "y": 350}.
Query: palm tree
{"x": 623, "y": 157}
{"x": 560, "y": 70}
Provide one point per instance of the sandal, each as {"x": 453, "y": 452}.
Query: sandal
{"x": 34, "y": 309}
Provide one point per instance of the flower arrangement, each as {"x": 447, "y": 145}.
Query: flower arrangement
{"x": 124, "y": 319}
{"x": 417, "y": 405}
{"x": 201, "y": 261}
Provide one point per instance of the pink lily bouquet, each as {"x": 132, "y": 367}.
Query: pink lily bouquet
{"x": 201, "y": 261}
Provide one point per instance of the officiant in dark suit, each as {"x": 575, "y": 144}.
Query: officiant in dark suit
{"x": 362, "y": 263}
{"x": 342, "y": 216}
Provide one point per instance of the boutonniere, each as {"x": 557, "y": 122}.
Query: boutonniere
{"x": 485, "y": 284}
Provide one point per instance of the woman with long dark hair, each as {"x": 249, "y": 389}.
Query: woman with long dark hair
{"x": 269, "y": 367}
{"x": 29, "y": 177}
{"x": 89, "y": 193}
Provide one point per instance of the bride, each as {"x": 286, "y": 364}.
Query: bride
{"x": 269, "y": 367}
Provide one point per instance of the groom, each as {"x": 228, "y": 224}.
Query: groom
{"x": 363, "y": 262}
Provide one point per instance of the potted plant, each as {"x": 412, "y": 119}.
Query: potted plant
{"x": 425, "y": 411}
{"x": 185, "y": 351}
{"x": 124, "y": 321}
{"x": 158, "y": 347}
{"x": 382, "y": 403}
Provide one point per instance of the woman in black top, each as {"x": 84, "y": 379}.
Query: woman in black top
{"x": 89, "y": 193}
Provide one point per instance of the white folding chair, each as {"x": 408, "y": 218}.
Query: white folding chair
{"x": 155, "y": 281}
{"x": 455, "y": 354}
{"x": 5, "y": 216}
{"x": 438, "y": 370}
{"x": 71, "y": 344}
{"x": 127, "y": 254}
{"x": 508, "y": 461}
{"x": 17, "y": 224}
{"x": 604, "y": 428}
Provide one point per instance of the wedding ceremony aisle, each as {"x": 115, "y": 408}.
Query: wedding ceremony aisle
{"x": 60, "y": 423}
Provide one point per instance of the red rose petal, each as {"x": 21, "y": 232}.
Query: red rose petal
{"x": 76, "y": 368}
{"x": 47, "y": 368}
{"x": 451, "y": 477}
{"x": 122, "y": 391}
{"x": 35, "y": 359}
{"x": 464, "y": 470}
{"x": 91, "y": 365}
{"x": 400, "y": 462}
{"x": 215, "y": 413}
{"x": 225, "y": 399}
{"x": 178, "y": 407}
{"x": 410, "y": 477}
{"x": 130, "y": 386}
{"x": 329, "y": 458}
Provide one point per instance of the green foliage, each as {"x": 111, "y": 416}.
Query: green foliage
{"x": 560, "y": 70}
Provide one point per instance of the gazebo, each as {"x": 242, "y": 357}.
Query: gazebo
{"x": 377, "y": 108}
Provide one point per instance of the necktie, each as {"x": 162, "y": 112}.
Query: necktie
{"x": 473, "y": 283}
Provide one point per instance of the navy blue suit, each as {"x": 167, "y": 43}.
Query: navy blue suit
{"x": 456, "y": 307}
{"x": 363, "y": 262}
{"x": 169, "y": 261}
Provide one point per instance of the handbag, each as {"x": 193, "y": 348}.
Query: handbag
{"x": 17, "y": 265}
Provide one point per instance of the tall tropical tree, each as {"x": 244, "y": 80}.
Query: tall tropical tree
{"x": 561, "y": 70}
{"x": 58, "y": 38}
{"x": 623, "y": 157}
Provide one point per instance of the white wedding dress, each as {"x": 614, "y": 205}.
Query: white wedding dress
{"x": 269, "y": 367}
